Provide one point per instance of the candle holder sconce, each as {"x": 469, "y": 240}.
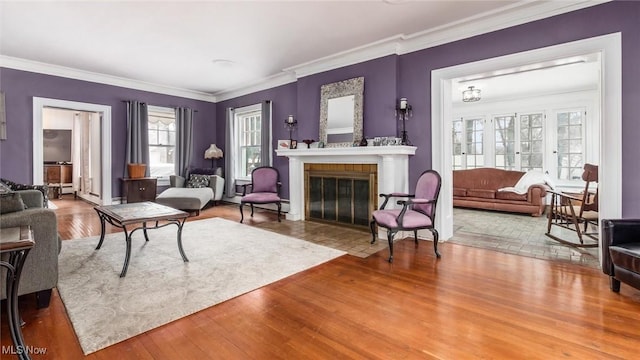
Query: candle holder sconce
{"x": 290, "y": 123}
{"x": 403, "y": 112}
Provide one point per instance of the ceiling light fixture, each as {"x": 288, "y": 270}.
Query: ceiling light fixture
{"x": 471, "y": 94}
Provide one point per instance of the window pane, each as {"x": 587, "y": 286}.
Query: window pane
{"x": 162, "y": 140}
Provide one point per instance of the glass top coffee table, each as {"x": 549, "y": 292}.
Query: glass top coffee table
{"x": 140, "y": 216}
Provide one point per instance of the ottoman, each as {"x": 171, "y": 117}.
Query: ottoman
{"x": 187, "y": 199}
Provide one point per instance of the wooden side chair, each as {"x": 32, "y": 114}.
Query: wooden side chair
{"x": 265, "y": 189}
{"x": 570, "y": 211}
{"x": 418, "y": 211}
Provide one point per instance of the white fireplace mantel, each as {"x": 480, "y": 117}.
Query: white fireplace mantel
{"x": 392, "y": 161}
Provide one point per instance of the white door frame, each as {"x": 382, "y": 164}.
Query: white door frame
{"x": 38, "y": 148}
{"x": 610, "y": 167}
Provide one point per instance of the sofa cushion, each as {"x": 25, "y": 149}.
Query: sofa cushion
{"x": 510, "y": 195}
{"x": 185, "y": 199}
{"x": 482, "y": 193}
{"x": 11, "y": 203}
{"x": 459, "y": 192}
{"x": 626, "y": 256}
{"x": 198, "y": 181}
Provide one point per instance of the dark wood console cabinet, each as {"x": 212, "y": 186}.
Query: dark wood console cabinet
{"x": 139, "y": 189}
{"x": 58, "y": 176}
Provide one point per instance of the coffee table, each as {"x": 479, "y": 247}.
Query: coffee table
{"x": 136, "y": 216}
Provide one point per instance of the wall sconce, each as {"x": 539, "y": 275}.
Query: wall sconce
{"x": 290, "y": 123}
{"x": 471, "y": 94}
{"x": 403, "y": 112}
{"x": 213, "y": 152}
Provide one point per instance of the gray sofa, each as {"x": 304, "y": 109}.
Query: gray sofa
{"x": 40, "y": 272}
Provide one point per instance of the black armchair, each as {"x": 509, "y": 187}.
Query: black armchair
{"x": 621, "y": 252}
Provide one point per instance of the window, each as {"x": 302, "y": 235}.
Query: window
{"x": 531, "y": 141}
{"x": 468, "y": 143}
{"x": 162, "y": 142}
{"x": 248, "y": 140}
{"x": 505, "y": 133}
{"x": 570, "y": 144}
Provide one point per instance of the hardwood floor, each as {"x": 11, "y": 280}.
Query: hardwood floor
{"x": 472, "y": 303}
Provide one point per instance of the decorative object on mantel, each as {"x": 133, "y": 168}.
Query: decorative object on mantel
{"x": 290, "y": 123}
{"x": 308, "y": 142}
{"x": 213, "y": 152}
{"x": 364, "y": 142}
{"x": 404, "y": 111}
{"x": 471, "y": 94}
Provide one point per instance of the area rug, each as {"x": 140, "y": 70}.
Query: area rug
{"x": 226, "y": 259}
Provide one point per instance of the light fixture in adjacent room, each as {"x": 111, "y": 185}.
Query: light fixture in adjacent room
{"x": 471, "y": 94}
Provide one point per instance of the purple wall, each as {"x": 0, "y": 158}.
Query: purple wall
{"x": 283, "y": 104}
{"x": 20, "y": 87}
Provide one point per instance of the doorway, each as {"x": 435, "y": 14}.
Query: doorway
{"x": 77, "y": 153}
{"x": 609, "y": 49}
{"x": 91, "y": 144}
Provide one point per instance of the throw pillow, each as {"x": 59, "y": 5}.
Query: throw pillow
{"x": 198, "y": 181}
{"x": 11, "y": 203}
{"x": 5, "y": 189}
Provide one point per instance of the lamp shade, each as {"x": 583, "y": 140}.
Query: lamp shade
{"x": 213, "y": 152}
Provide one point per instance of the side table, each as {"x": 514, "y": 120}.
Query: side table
{"x": 15, "y": 241}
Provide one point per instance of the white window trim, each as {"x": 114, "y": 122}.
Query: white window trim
{"x": 237, "y": 112}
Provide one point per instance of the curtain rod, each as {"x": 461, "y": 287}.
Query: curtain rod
{"x": 171, "y": 106}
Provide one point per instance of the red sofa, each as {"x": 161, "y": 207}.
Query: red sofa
{"x": 478, "y": 189}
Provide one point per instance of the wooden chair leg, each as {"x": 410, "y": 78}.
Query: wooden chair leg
{"x": 372, "y": 225}
{"x": 241, "y": 213}
{"x": 390, "y": 234}
{"x": 279, "y": 208}
{"x": 435, "y": 242}
{"x": 415, "y": 236}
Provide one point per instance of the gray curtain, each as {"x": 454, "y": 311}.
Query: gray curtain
{"x": 137, "y": 147}
{"x": 230, "y": 185}
{"x": 184, "y": 140}
{"x": 265, "y": 141}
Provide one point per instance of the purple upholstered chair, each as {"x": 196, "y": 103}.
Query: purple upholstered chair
{"x": 418, "y": 211}
{"x": 265, "y": 189}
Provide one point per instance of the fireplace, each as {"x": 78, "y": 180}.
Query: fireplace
{"x": 392, "y": 170}
{"x": 340, "y": 193}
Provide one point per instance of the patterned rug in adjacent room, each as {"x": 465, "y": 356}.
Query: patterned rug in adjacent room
{"x": 226, "y": 259}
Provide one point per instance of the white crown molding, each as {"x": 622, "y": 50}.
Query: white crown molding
{"x": 56, "y": 70}
{"x": 508, "y": 16}
{"x": 384, "y": 47}
{"x": 267, "y": 83}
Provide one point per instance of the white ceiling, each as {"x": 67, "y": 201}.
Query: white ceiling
{"x": 174, "y": 44}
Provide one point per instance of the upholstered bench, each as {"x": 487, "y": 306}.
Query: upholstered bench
{"x": 188, "y": 199}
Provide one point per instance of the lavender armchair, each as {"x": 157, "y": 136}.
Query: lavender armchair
{"x": 417, "y": 212}
{"x": 265, "y": 189}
